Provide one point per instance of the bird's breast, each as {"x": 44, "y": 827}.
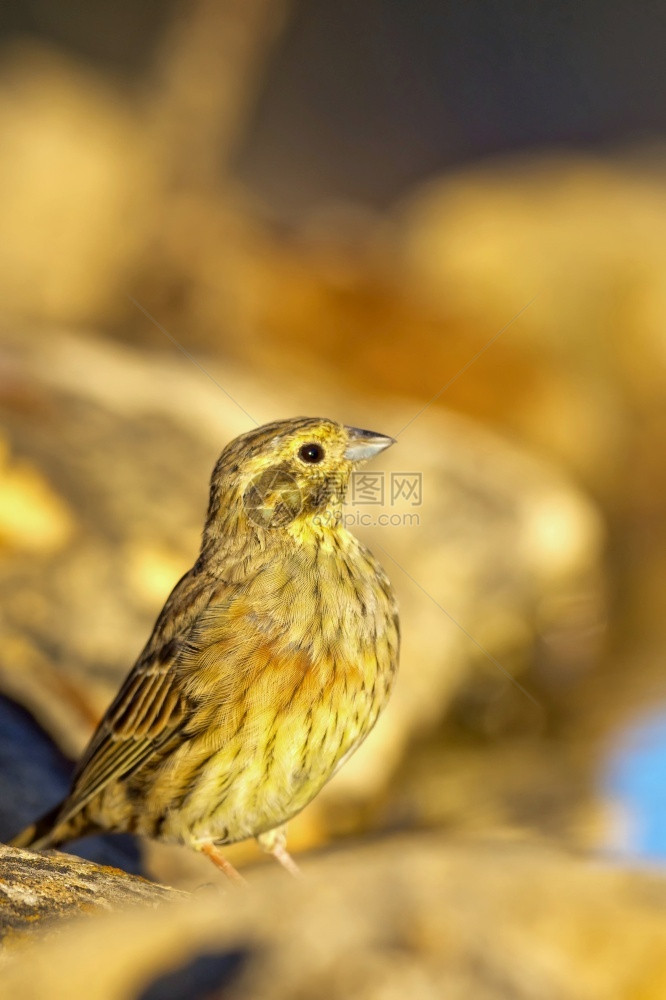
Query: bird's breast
{"x": 300, "y": 667}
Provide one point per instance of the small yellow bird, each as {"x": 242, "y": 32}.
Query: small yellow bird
{"x": 267, "y": 667}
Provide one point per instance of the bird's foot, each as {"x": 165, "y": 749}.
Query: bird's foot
{"x": 275, "y": 842}
{"x": 211, "y": 851}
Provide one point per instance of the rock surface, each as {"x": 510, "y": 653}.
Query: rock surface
{"x": 416, "y": 916}
{"x": 38, "y": 890}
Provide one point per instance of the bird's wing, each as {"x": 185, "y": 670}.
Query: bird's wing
{"x": 150, "y": 708}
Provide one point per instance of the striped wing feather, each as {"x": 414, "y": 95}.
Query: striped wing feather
{"x": 149, "y": 709}
{"x": 147, "y": 712}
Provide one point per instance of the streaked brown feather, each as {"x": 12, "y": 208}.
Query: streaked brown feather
{"x": 117, "y": 752}
{"x": 149, "y": 709}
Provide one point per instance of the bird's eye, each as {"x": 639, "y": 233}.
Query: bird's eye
{"x": 312, "y": 452}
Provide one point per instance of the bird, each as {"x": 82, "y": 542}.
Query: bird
{"x": 268, "y": 666}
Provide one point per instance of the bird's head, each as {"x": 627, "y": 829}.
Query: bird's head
{"x": 291, "y": 469}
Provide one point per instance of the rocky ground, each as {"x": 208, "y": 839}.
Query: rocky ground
{"x": 423, "y": 916}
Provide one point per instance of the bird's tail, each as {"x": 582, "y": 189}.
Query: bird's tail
{"x": 47, "y": 831}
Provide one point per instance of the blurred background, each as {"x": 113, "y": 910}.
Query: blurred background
{"x": 442, "y": 221}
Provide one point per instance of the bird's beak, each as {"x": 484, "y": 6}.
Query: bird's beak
{"x": 365, "y": 444}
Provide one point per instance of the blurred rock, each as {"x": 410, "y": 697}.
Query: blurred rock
{"x": 94, "y": 165}
{"x": 407, "y": 917}
{"x": 79, "y": 180}
{"x": 33, "y": 518}
{"x": 581, "y": 238}
{"x": 533, "y": 226}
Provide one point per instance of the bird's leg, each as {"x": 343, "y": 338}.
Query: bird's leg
{"x": 275, "y": 842}
{"x": 211, "y": 851}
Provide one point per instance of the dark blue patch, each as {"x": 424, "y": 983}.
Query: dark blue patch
{"x": 199, "y": 979}
{"x": 34, "y": 776}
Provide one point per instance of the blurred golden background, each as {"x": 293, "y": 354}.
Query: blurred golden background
{"x": 445, "y": 222}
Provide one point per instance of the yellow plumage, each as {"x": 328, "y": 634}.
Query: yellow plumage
{"x": 267, "y": 667}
